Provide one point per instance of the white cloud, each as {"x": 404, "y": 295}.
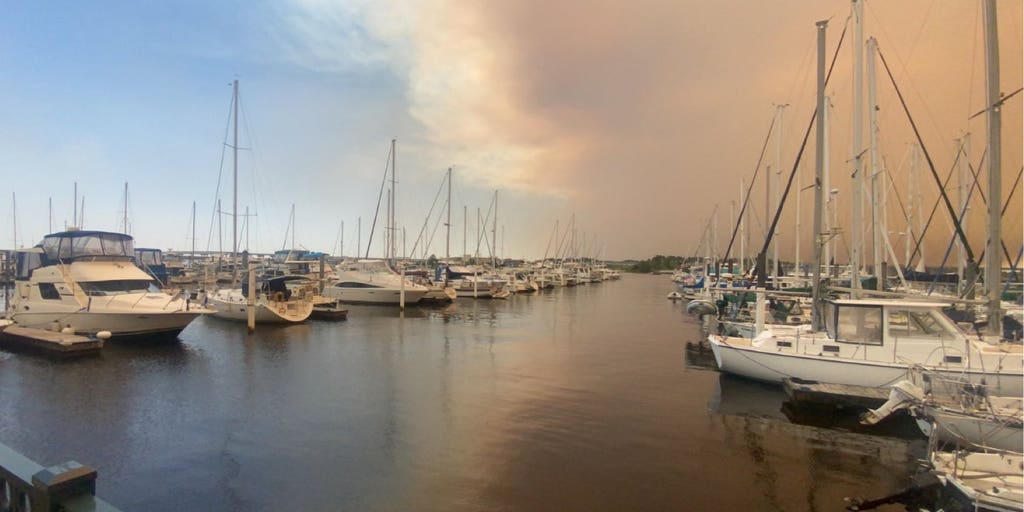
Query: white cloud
{"x": 456, "y": 87}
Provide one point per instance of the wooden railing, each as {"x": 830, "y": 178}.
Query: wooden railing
{"x": 27, "y": 486}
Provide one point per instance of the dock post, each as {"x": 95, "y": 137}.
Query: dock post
{"x": 251, "y": 303}
{"x": 401, "y": 289}
{"x": 322, "y": 265}
{"x": 759, "y": 314}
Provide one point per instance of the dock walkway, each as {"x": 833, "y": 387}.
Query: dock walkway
{"x": 839, "y": 395}
{"x": 58, "y": 344}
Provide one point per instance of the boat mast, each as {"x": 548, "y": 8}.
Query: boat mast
{"x": 494, "y": 233}
{"x": 74, "y": 214}
{"x": 857, "y": 146}
{"x": 796, "y": 226}
{"x": 827, "y": 220}
{"x": 448, "y": 222}
{"x": 778, "y": 184}
{"x": 743, "y": 234}
{"x": 126, "y": 208}
{"x": 993, "y": 268}
{"x": 877, "y": 208}
{"x": 234, "y": 207}
{"x": 14, "y": 216}
{"x": 394, "y": 182}
{"x": 193, "y": 234}
{"x": 819, "y": 191}
{"x": 965, "y": 162}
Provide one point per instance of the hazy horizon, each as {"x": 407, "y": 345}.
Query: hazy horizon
{"x": 637, "y": 119}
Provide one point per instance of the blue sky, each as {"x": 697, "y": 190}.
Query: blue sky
{"x": 637, "y": 118}
{"x": 140, "y": 91}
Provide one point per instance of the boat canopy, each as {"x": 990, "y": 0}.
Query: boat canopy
{"x": 67, "y": 246}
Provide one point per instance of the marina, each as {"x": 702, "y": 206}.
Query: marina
{"x": 542, "y": 402}
{"x": 620, "y": 257}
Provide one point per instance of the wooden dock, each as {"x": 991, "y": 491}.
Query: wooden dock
{"x": 839, "y": 395}
{"x": 52, "y": 343}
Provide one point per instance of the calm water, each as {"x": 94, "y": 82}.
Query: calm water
{"x": 575, "y": 399}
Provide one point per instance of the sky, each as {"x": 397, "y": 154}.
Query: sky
{"x": 632, "y": 122}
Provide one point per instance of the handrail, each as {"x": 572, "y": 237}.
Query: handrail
{"x": 27, "y": 486}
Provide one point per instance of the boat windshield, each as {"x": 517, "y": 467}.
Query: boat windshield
{"x": 916, "y": 324}
{"x": 78, "y": 244}
{"x": 105, "y": 288}
{"x": 149, "y": 257}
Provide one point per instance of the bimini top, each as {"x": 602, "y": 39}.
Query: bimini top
{"x": 67, "y": 246}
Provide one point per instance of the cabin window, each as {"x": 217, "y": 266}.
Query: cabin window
{"x": 48, "y": 291}
{"x": 27, "y": 262}
{"x": 915, "y": 324}
{"x": 102, "y": 288}
{"x": 859, "y": 324}
{"x": 352, "y": 284}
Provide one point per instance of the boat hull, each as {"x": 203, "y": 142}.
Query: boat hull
{"x": 774, "y": 367}
{"x": 232, "y": 307}
{"x": 386, "y": 296}
{"x": 956, "y": 428}
{"x": 120, "y": 325}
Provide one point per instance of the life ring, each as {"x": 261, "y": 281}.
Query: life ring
{"x": 278, "y": 296}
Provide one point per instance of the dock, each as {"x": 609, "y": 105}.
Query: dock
{"x": 806, "y": 392}
{"x": 58, "y": 344}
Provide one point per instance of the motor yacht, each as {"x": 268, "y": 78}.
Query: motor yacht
{"x": 88, "y": 281}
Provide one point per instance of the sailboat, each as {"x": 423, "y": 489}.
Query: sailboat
{"x": 274, "y": 302}
{"x": 871, "y": 342}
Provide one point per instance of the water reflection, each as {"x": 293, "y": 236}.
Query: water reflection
{"x": 572, "y": 399}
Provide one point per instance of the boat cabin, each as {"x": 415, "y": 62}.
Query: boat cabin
{"x": 69, "y": 246}
{"x": 877, "y": 321}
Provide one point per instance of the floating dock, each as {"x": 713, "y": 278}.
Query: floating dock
{"x": 808, "y": 392}
{"x": 52, "y": 343}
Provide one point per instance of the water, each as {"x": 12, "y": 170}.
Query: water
{"x": 574, "y": 399}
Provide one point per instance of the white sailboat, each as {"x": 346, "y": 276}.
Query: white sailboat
{"x": 274, "y": 303}
{"x": 869, "y": 342}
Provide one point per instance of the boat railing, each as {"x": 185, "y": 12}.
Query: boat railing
{"x": 27, "y": 486}
{"x": 951, "y": 390}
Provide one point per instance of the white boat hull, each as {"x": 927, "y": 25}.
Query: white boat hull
{"x": 957, "y": 428}
{"x": 768, "y": 366}
{"x": 120, "y": 324}
{"x": 267, "y": 311}
{"x": 386, "y": 296}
